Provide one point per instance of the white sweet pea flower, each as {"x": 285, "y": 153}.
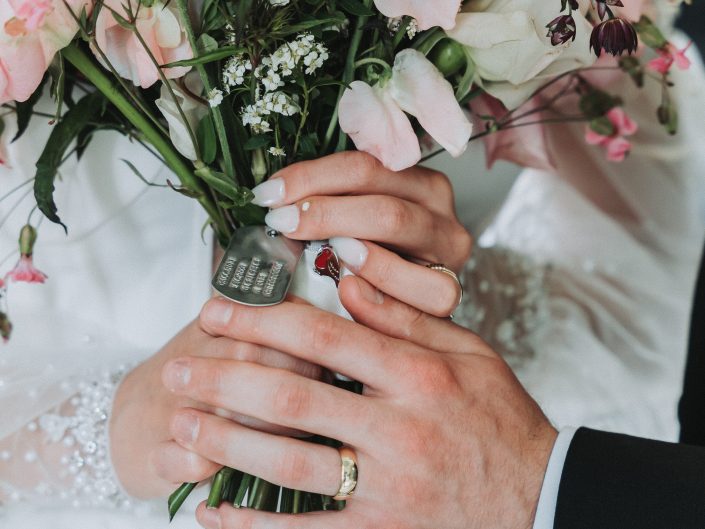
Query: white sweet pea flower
{"x": 375, "y": 120}
{"x": 508, "y": 43}
{"x": 194, "y": 110}
{"x": 428, "y": 13}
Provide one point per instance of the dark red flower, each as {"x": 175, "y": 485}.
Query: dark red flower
{"x": 614, "y": 36}
{"x": 561, "y": 29}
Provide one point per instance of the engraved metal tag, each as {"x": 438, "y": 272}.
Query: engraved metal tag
{"x": 257, "y": 267}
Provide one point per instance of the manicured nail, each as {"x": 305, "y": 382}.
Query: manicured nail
{"x": 209, "y": 518}
{"x": 284, "y": 220}
{"x": 217, "y": 312}
{"x": 351, "y": 251}
{"x": 369, "y": 293}
{"x": 177, "y": 375}
{"x": 185, "y": 428}
{"x": 270, "y": 193}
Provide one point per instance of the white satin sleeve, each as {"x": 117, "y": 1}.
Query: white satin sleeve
{"x": 584, "y": 279}
{"x": 131, "y": 272}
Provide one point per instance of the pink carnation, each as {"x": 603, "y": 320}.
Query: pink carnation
{"x": 26, "y": 272}
{"x": 616, "y": 145}
{"x": 669, "y": 56}
{"x": 31, "y": 32}
{"x": 161, "y": 30}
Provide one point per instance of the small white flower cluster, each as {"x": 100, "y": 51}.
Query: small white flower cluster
{"x": 235, "y": 70}
{"x": 411, "y": 30}
{"x": 278, "y": 3}
{"x": 215, "y": 97}
{"x": 282, "y": 63}
{"x": 273, "y": 73}
{"x": 255, "y": 115}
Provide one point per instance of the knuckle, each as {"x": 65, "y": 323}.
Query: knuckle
{"x": 324, "y": 334}
{"x": 396, "y": 216}
{"x": 292, "y": 401}
{"x": 294, "y": 469}
{"x": 441, "y": 185}
{"x": 463, "y": 243}
{"x": 367, "y": 167}
{"x": 246, "y": 352}
{"x": 434, "y": 376}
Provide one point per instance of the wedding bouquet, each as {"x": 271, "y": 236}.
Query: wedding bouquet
{"x": 227, "y": 92}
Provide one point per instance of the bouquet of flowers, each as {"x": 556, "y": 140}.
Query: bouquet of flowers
{"x": 227, "y": 92}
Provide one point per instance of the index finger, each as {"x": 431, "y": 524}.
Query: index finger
{"x": 311, "y": 334}
{"x": 355, "y": 173}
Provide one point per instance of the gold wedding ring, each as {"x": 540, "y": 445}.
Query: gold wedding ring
{"x": 348, "y": 473}
{"x": 438, "y": 267}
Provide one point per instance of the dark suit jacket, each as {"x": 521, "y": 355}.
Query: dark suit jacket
{"x": 615, "y": 481}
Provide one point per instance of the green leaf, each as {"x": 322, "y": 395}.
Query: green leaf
{"x": 25, "y": 110}
{"x": 356, "y": 8}
{"x": 178, "y": 497}
{"x": 64, "y": 133}
{"x": 650, "y": 34}
{"x": 57, "y": 70}
{"x": 207, "y": 139}
{"x": 602, "y": 126}
{"x": 205, "y": 58}
{"x": 241, "y": 196}
{"x": 597, "y": 103}
{"x": 257, "y": 142}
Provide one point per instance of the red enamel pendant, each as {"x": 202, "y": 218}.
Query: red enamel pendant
{"x": 327, "y": 264}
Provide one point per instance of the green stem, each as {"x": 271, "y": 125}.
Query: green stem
{"x": 348, "y": 77}
{"x": 373, "y": 60}
{"x": 162, "y": 145}
{"x": 216, "y": 114}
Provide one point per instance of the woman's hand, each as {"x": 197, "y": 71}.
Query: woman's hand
{"x": 445, "y": 435}
{"x": 364, "y": 209}
{"x": 147, "y": 461}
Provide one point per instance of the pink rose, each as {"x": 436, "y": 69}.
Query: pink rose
{"x": 428, "y": 13}
{"x": 162, "y": 32}
{"x": 31, "y": 32}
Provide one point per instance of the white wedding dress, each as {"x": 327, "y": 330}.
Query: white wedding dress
{"x": 583, "y": 281}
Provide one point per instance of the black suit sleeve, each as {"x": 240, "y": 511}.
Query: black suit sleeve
{"x": 613, "y": 481}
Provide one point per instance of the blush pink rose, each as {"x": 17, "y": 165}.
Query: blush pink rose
{"x": 162, "y": 32}
{"x": 31, "y": 32}
{"x": 428, "y": 13}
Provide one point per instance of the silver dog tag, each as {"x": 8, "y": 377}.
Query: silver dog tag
{"x": 257, "y": 267}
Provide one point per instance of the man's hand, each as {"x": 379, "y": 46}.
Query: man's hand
{"x": 445, "y": 435}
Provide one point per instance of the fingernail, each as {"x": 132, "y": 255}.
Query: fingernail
{"x": 217, "y": 312}
{"x": 351, "y": 251}
{"x": 177, "y": 375}
{"x": 209, "y": 518}
{"x": 185, "y": 428}
{"x": 270, "y": 193}
{"x": 369, "y": 293}
{"x": 284, "y": 220}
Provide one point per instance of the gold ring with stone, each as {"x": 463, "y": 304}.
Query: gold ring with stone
{"x": 348, "y": 473}
{"x": 439, "y": 267}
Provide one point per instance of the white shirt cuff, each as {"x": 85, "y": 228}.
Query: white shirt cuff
{"x": 546, "y": 509}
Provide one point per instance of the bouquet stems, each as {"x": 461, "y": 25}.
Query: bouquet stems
{"x": 102, "y": 82}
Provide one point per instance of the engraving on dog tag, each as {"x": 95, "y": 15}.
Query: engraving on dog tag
{"x": 257, "y": 267}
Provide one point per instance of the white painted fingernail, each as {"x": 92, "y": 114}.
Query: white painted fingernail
{"x": 284, "y": 220}
{"x": 270, "y": 193}
{"x": 351, "y": 251}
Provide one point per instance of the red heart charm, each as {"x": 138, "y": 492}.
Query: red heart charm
{"x": 327, "y": 264}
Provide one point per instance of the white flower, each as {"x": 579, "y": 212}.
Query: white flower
{"x": 193, "y": 109}
{"x": 215, "y": 97}
{"x": 279, "y": 3}
{"x": 235, "y": 71}
{"x": 277, "y": 151}
{"x": 507, "y": 42}
{"x": 256, "y": 115}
